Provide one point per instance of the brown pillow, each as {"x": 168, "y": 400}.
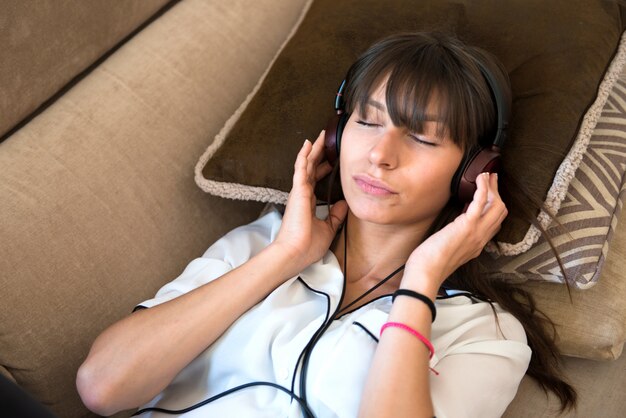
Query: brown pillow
{"x": 556, "y": 53}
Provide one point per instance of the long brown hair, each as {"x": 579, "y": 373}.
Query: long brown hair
{"x": 419, "y": 67}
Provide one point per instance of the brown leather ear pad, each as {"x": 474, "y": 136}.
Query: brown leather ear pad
{"x": 332, "y": 136}
{"x": 485, "y": 160}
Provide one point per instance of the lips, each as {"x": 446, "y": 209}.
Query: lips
{"x": 373, "y": 186}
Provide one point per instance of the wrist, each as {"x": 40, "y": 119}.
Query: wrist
{"x": 421, "y": 282}
{"x": 402, "y": 292}
{"x": 289, "y": 259}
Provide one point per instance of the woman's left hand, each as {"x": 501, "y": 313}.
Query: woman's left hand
{"x": 460, "y": 241}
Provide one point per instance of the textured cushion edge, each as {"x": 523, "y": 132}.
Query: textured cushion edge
{"x": 567, "y": 169}
{"x": 239, "y": 191}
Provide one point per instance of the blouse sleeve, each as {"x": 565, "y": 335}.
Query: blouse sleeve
{"x": 479, "y": 374}
{"x": 229, "y": 252}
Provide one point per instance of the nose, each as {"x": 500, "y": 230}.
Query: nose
{"x": 385, "y": 151}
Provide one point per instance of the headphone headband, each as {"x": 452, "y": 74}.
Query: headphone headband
{"x": 339, "y": 102}
{"x": 484, "y": 158}
{"x": 502, "y": 102}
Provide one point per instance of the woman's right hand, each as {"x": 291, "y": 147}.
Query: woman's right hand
{"x": 302, "y": 236}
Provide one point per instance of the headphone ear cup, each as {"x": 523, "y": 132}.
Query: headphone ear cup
{"x": 480, "y": 160}
{"x": 332, "y": 136}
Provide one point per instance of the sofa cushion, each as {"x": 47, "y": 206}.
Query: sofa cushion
{"x": 600, "y": 387}
{"x": 556, "y": 53}
{"x": 42, "y": 53}
{"x": 97, "y": 199}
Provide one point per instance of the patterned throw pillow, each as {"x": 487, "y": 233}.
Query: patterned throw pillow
{"x": 557, "y": 54}
{"x": 589, "y": 211}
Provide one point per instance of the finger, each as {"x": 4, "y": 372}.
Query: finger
{"x": 493, "y": 220}
{"x": 300, "y": 167}
{"x": 479, "y": 201}
{"x": 322, "y": 170}
{"x": 493, "y": 198}
{"x": 493, "y": 193}
{"x": 318, "y": 146}
{"x": 493, "y": 182}
{"x": 316, "y": 153}
{"x": 337, "y": 214}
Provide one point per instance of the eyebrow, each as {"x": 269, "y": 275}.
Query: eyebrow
{"x": 376, "y": 104}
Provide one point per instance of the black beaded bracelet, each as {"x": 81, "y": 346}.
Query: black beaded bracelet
{"x": 413, "y": 294}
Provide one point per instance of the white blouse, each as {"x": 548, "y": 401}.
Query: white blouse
{"x": 479, "y": 367}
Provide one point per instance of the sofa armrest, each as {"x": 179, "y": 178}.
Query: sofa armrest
{"x": 98, "y": 204}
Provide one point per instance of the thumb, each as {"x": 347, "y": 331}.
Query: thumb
{"x": 337, "y": 214}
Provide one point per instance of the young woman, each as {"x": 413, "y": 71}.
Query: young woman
{"x": 373, "y": 308}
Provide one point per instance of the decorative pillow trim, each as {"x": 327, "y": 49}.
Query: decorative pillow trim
{"x": 235, "y": 190}
{"x": 570, "y": 164}
{"x": 590, "y": 210}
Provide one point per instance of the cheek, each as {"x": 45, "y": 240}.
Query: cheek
{"x": 435, "y": 179}
{"x": 344, "y": 175}
{"x": 350, "y": 155}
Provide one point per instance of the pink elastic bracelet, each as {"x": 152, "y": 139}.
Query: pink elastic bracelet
{"x": 412, "y": 331}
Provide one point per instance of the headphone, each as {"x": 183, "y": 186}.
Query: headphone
{"x": 479, "y": 159}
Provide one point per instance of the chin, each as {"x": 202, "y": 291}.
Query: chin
{"x": 389, "y": 213}
{"x": 372, "y": 211}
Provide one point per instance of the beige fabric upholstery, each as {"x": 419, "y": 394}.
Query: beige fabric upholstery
{"x": 44, "y": 52}
{"x": 594, "y": 326}
{"x": 600, "y": 387}
{"x": 97, "y": 196}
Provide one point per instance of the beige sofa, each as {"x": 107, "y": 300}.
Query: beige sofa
{"x": 104, "y": 112}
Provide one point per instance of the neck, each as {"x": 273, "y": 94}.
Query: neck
{"x": 375, "y": 250}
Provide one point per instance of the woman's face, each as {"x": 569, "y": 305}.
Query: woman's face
{"x": 390, "y": 175}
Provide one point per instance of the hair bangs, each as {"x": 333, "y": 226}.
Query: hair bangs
{"x": 425, "y": 82}
{"x": 415, "y": 94}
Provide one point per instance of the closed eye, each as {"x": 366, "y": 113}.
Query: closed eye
{"x": 364, "y": 123}
{"x": 414, "y": 137}
{"x": 421, "y": 141}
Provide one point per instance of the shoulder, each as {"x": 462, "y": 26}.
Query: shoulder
{"x": 473, "y": 319}
{"x": 248, "y": 240}
{"x": 227, "y": 253}
{"x": 477, "y": 354}
{"x": 243, "y": 242}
